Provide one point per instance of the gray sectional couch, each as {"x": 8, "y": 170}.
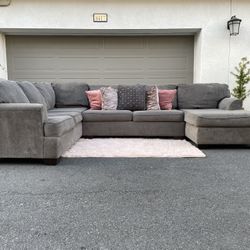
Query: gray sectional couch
{"x": 43, "y": 120}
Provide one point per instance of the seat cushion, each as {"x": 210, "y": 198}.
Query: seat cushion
{"x": 77, "y": 116}
{"x": 58, "y": 125}
{"x": 47, "y": 92}
{"x": 107, "y": 115}
{"x": 201, "y": 96}
{"x": 158, "y": 116}
{"x": 73, "y": 109}
{"x": 76, "y": 113}
{"x": 217, "y": 118}
{"x": 10, "y": 92}
{"x": 71, "y": 94}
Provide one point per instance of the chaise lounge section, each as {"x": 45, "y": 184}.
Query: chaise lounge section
{"x": 217, "y": 127}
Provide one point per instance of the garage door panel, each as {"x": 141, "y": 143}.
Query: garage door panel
{"x": 123, "y": 63}
{"x": 169, "y": 63}
{"x": 33, "y": 63}
{"x": 98, "y": 60}
{"x": 171, "y": 42}
{"x": 123, "y": 43}
{"x": 75, "y": 64}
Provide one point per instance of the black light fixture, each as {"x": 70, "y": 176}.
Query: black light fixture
{"x": 233, "y": 25}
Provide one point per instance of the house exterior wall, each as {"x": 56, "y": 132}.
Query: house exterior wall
{"x": 215, "y": 55}
{"x": 3, "y": 64}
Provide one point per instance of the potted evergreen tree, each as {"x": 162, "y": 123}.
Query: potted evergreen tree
{"x": 242, "y": 76}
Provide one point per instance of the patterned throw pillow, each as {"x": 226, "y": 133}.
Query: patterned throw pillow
{"x": 132, "y": 97}
{"x": 109, "y": 98}
{"x": 152, "y": 98}
{"x": 95, "y": 99}
{"x": 166, "y": 98}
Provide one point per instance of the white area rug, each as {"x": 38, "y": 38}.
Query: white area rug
{"x": 130, "y": 147}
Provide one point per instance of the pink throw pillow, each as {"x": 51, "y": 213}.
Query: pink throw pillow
{"x": 95, "y": 99}
{"x": 166, "y": 98}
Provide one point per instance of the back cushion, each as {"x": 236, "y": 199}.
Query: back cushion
{"x": 48, "y": 93}
{"x": 71, "y": 94}
{"x": 201, "y": 96}
{"x": 32, "y": 92}
{"x": 170, "y": 87}
{"x": 10, "y": 92}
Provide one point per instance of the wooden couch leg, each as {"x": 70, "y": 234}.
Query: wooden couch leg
{"x": 51, "y": 161}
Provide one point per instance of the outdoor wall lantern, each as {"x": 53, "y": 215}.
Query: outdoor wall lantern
{"x": 233, "y": 25}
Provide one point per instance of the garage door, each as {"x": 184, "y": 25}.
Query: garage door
{"x": 101, "y": 60}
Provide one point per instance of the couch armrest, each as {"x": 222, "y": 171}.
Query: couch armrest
{"x": 230, "y": 104}
{"x": 21, "y": 130}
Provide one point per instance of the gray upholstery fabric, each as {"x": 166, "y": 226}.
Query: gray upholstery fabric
{"x": 218, "y": 135}
{"x": 10, "y": 92}
{"x": 58, "y": 125}
{"x": 54, "y": 147}
{"x": 33, "y": 94}
{"x": 230, "y": 104}
{"x": 134, "y": 129}
{"x": 21, "y": 130}
{"x": 201, "y": 96}
{"x": 71, "y": 94}
{"x": 217, "y": 118}
{"x": 77, "y": 116}
{"x": 170, "y": 87}
{"x": 107, "y": 115}
{"x": 75, "y": 113}
{"x": 132, "y": 97}
{"x": 48, "y": 93}
{"x": 71, "y": 109}
{"x": 158, "y": 116}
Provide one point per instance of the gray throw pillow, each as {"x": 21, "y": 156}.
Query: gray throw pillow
{"x": 47, "y": 92}
{"x": 132, "y": 97}
{"x": 10, "y": 92}
{"x": 109, "y": 98}
{"x": 71, "y": 94}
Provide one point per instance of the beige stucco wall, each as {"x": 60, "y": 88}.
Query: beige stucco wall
{"x": 3, "y": 66}
{"x": 215, "y": 55}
